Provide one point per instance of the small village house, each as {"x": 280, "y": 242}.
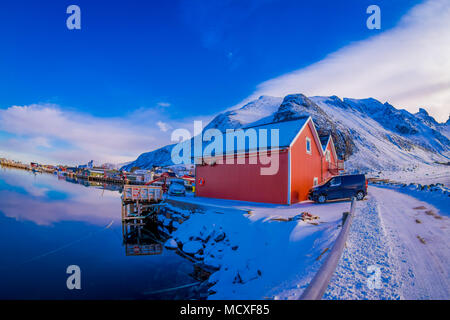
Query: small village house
{"x": 331, "y": 164}
{"x": 305, "y": 159}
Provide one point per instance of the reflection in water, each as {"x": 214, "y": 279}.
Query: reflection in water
{"x": 139, "y": 239}
{"x": 23, "y": 193}
{"x": 47, "y": 224}
{"x": 95, "y": 184}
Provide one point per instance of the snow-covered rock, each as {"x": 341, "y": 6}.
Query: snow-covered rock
{"x": 192, "y": 247}
{"x": 219, "y": 236}
{"x": 171, "y": 244}
{"x": 252, "y": 256}
{"x": 166, "y": 222}
{"x": 175, "y": 224}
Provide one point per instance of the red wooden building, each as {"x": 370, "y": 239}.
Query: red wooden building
{"x": 304, "y": 159}
{"x": 331, "y": 164}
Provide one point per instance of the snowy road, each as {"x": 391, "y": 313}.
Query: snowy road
{"x": 403, "y": 240}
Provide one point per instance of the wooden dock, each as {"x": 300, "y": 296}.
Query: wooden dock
{"x": 13, "y": 164}
{"x": 23, "y": 166}
{"x": 138, "y": 204}
{"x": 109, "y": 180}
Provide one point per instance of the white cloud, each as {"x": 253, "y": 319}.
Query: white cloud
{"x": 408, "y": 66}
{"x": 48, "y": 133}
{"x": 163, "y": 104}
{"x": 163, "y": 126}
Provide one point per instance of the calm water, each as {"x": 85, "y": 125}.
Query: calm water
{"x": 47, "y": 224}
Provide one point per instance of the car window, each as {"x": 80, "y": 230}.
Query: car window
{"x": 335, "y": 181}
{"x": 355, "y": 179}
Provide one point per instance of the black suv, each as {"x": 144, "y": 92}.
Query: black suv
{"x": 340, "y": 187}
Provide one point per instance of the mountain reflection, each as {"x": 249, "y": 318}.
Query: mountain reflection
{"x": 44, "y": 199}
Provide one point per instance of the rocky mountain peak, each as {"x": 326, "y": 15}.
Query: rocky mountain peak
{"x": 424, "y": 116}
{"x": 295, "y": 106}
{"x": 298, "y": 105}
{"x": 362, "y": 129}
{"x": 423, "y": 112}
{"x": 254, "y": 110}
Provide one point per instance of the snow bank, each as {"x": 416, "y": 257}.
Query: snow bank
{"x": 435, "y": 187}
{"x": 266, "y": 254}
{"x": 436, "y": 194}
{"x": 424, "y": 174}
{"x": 398, "y": 248}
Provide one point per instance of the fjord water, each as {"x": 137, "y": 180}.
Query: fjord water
{"x": 47, "y": 224}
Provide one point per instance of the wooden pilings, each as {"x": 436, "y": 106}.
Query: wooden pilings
{"x": 138, "y": 202}
{"x": 137, "y": 206}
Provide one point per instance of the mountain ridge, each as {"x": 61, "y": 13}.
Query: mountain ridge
{"x": 369, "y": 134}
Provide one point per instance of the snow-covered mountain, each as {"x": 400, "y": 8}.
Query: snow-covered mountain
{"x": 158, "y": 157}
{"x": 385, "y": 138}
{"x": 252, "y": 112}
{"x": 443, "y": 128}
{"x": 368, "y": 134}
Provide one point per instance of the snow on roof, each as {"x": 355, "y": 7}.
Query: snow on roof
{"x": 324, "y": 141}
{"x": 249, "y": 140}
{"x": 286, "y": 131}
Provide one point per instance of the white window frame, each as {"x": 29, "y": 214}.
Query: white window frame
{"x": 315, "y": 181}
{"x": 328, "y": 156}
{"x": 310, "y": 145}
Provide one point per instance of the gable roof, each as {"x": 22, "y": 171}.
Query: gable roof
{"x": 324, "y": 140}
{"x": 288, "y": 132}
{"x": 310, "y": 122}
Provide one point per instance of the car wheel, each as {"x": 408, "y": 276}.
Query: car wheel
{"x": 322, "y": 198}
{"x": 359, "y": 195}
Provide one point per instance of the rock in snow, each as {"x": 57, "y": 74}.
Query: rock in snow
{"x": 171, "y": 244}
{"x": 219, "y": 236}
{"x": 192, "y": 247}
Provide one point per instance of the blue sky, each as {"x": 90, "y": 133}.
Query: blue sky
{"x": 194, "y": 54}
{"x": 170, "y": 61}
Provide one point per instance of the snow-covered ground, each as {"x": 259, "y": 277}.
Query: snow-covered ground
{"x": 402, "y": 232}
{"x": 419, "y": 173}
{"x": 400, "y": 235}
{"x": 268, "y": 254}
{"x": 406, "y": 238}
